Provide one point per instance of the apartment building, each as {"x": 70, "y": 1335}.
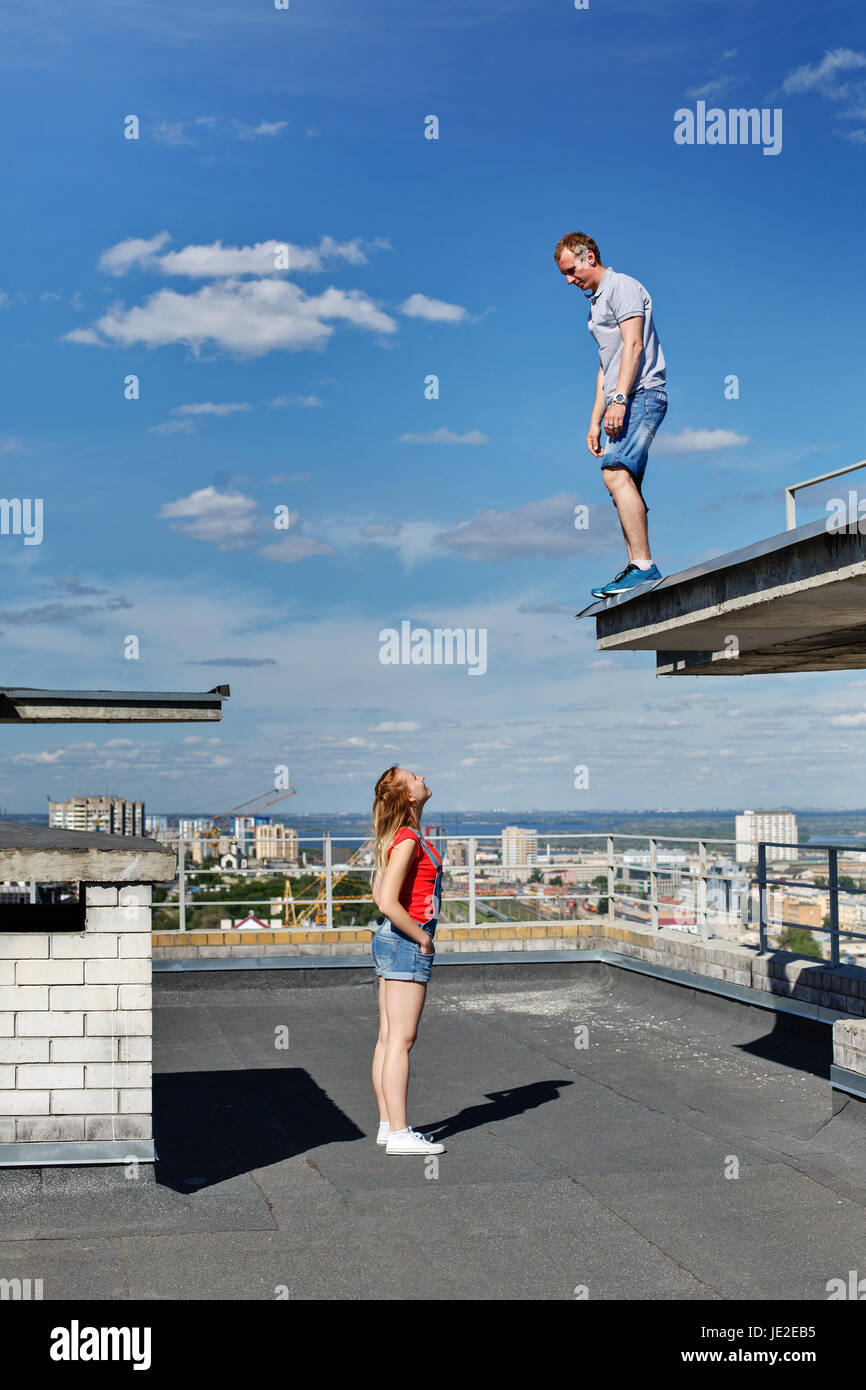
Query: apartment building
{"x": 275, "y": 841}
{"x": 754, "y": 826}
{"x": 110, "y": 815}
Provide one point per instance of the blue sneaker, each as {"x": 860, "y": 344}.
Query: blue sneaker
{"x": 605, "y": 588}
{"x": 631, "y": 578}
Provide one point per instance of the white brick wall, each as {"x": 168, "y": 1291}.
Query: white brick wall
{"x": 75, "y": 1024}
{"x": 120, "y": 1022}
{"x": 46, "y": 1025}
{"x": 49, "y": 972}
{"x": 83, "y": 1049}
{"x": 61, "y": 1075}
{"x": 109, "y": 919}
{"x": 23, "y": 946}
{"x": 113, "y": 972}
{"x": 79, "y": 946}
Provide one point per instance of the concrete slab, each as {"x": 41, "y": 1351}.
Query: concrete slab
{"x": 793, "y": 602}
{"x": 47, "y": 854}
{"x": 24, "y": 705}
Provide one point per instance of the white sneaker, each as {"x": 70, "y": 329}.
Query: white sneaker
{"x": 412, "y": 1143}
{"x": 382, "y": 1136}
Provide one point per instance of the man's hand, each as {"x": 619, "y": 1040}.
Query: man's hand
{"x": 593, "y": 441}
{"x": 613, "y": 421}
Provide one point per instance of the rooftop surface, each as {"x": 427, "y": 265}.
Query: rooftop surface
{"x": 602, "y": 1166}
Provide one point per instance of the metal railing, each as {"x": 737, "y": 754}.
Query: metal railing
{"x": 690, "y": 892}
{"x": 481, "y": 888}
{"x": 833, "y": 931}
{"x": 790, "y": 502}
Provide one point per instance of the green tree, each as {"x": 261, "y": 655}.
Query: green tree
{"x": 799, "y": 941}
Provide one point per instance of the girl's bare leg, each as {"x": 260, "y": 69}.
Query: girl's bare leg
{"x": 379, "y": 1053}
{"x": 404, "y": 1000}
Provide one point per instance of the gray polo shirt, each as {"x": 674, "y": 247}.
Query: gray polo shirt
{"x": 620, "y": 297}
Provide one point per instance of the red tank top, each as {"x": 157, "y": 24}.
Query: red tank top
{"x": 416, "y": 895}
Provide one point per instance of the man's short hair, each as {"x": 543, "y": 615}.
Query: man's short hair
{"x": 578, "y": 243}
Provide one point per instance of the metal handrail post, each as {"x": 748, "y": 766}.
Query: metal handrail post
{"x": 611, "y": 877}
{"x": 701, "y": 892}
{"x": 762, "y": 897}
{"x": 833, "y": 883}
{"x": 654, "y": 883}
{"x": 329, "y": 882}
{"x": 473, "y": 846}
{"x": 181, "y": 883}
{"x": 790, "y": 510}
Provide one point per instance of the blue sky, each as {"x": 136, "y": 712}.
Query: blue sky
{"x": 304, "y": 388}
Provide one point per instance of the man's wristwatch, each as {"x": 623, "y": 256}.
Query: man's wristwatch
{"x": 619, "y": 399}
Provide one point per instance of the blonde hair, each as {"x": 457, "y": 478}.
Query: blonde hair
{"x": 392, "y": 809}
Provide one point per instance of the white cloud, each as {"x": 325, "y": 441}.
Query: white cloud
{"x": 545, "y": 527}
{"x": 175, "y": 427}
{"x": 308, "y": 402}
{"x": 395, "y": 726}
{"x": 698, "y": 441}
{"x": 172, "y": 133}
{"x": 209, "y": 408}
{"x": 821, "y": 77}
{"x": 245, "y": 132}
{"x": 248, "y": 318}
{"x": 290, "y": 549}
{"x": 83, "y": 335}
{"x": 121, "y": 257}
{"x": 227, "y": 518}
{"x": 212, "y": 260}
{"x": 418, "y": 306}
{"x": 444, "y": 436}
{"x": 713, "y": 88}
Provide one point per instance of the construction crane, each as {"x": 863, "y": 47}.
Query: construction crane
{"x": 250, "y": 808}
{"x": 318, "y": 905}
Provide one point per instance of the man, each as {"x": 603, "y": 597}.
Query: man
{"x": 630, "y": 395}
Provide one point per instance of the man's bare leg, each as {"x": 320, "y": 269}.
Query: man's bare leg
{"x": 631, "y": 510}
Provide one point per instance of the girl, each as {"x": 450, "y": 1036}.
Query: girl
{"x": 406, "y": 888}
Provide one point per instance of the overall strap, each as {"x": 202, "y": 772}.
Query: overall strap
{"x": 424, "y": 847}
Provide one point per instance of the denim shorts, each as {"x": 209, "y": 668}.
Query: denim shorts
{"x": 643, "y": 415}
{"x": 397, "y": 957}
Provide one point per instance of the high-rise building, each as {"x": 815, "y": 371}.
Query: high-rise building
{"x": 755, "y": 826}
{"x": 111, "y": 815}
{"x": 276, "y": 841}
{"x": 519, "y": 847}
{"x": 244, "y": 830}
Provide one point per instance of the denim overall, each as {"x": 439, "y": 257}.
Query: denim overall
{"x": 395, "y": 955}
